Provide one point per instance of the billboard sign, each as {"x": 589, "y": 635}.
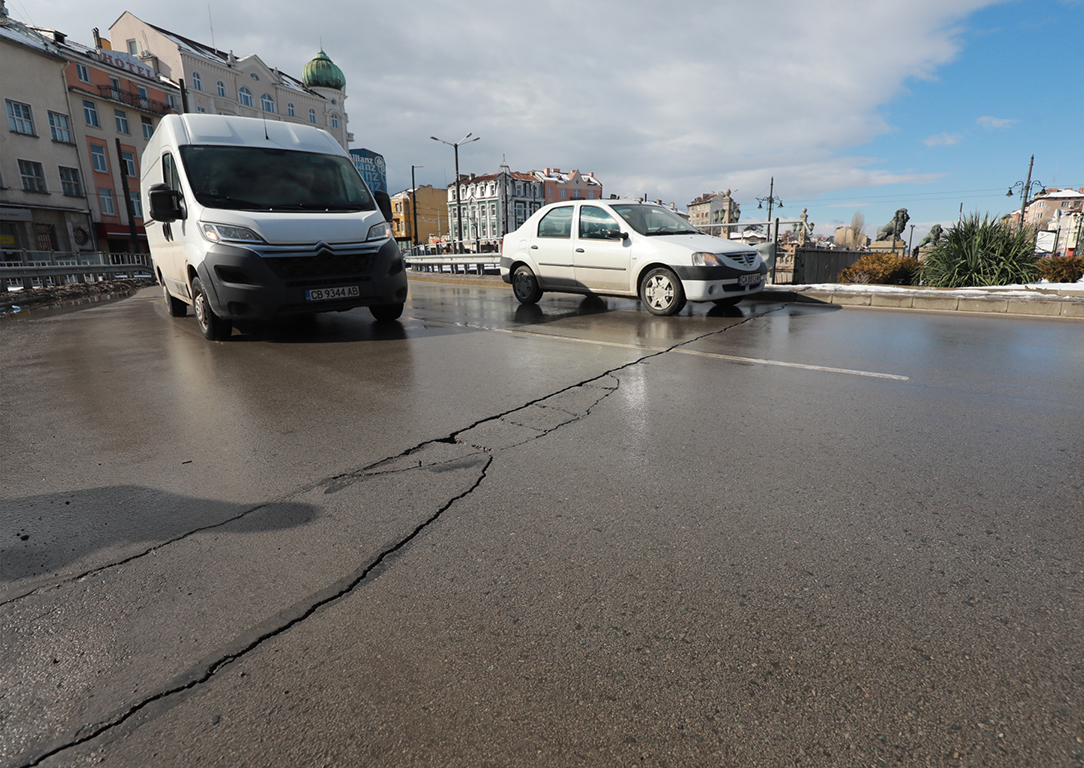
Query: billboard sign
{"x": 371, "y": 167}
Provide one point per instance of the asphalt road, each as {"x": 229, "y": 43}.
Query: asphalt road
{"x": 574, "y": 534}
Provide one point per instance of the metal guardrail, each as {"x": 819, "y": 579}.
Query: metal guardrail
{"x": 28, "y": 268}
{"x": 425, "y": 258}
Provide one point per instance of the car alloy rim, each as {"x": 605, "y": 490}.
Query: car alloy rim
{"x": 660, "y": 291}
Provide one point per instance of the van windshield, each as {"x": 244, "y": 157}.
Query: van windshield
{"x": 265, "y": 179}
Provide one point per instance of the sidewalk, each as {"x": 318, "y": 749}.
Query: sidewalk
{"x": 1039, "y": 299}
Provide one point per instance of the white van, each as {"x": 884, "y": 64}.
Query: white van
{"x": 252, "y": 219}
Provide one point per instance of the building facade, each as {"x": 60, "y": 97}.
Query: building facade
{"x": 431, "y": 215}
{"x": 492, "y": 206}
{"x": 218, "y": 82}
{"x": 43, "y": 186}
{"x": 713, "y": 212}
{"x": 558, "y": 186}
{"x": 1052, "y": 204}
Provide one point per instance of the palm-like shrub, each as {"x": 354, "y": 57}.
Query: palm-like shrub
{"x": 981, "y": 252}
{"x": 881, "y": 268}
{"x": 1062, "y": 269}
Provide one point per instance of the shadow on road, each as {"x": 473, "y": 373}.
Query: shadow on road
{"x": 55, "y": 537}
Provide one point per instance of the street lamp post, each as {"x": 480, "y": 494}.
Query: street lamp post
{"x": 770, "y": 200}
{"x": 458, "y": 196}
{"x": 1025, "y": 190}
{"x": 414, "y": 203}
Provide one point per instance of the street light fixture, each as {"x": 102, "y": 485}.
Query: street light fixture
{"x": 770, "y": 200}
{"x": 458, "y": 196}
{"x": 1025, "y": 190}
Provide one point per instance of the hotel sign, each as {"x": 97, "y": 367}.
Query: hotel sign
{"x": 127, "y": 63}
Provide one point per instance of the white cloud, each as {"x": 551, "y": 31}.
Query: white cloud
{"x": 941, "y": 140}
{"x": 994, "y": 122}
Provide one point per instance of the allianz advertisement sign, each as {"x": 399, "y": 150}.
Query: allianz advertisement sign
{"x": 371, "y": 167}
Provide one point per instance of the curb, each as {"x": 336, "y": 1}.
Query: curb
{"x": 1049, "y": 304}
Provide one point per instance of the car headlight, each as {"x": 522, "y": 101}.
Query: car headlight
{"x": 705, "y": 259}
{"x": 381, "y": 231}
{"x": 218, "y": 233}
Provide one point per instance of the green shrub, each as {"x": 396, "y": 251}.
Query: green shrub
{"x": 979, "y": 253}
{"x": 1062, "y": 269}
{"x": 881, "y": 268}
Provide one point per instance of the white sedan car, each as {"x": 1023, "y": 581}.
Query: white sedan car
{"x": 627, "y": 248}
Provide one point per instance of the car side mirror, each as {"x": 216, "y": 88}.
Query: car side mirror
{"x": 616, "y": 234}
{"x": 383, "y": 202}
{"x": 165, "y": 203}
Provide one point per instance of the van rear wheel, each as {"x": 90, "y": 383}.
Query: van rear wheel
{"x": 213, "y": 327}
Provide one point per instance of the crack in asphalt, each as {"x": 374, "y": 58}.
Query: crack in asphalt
{"x": 284, "y": 620}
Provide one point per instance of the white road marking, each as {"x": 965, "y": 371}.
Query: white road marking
{"x": 732, "y": 358}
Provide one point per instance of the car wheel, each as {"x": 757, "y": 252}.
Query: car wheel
{"x": 661, "y": 292}
{"x": 174, "y": 306}
{"x": 213, "y": 327}
{"x": 386, "y": 312}
{"x": 525, "y": 285}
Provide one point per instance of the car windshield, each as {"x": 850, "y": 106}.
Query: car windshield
{"x": 654, "y": 220}
{"x": 265, "y": 179}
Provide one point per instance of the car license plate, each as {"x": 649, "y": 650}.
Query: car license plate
{"x": 323, "y": 294}
{"x": 750, "y": 279}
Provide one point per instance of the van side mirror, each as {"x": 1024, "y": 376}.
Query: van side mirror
{"x": 383, "y": 202}
{"x": 165, "y": 203}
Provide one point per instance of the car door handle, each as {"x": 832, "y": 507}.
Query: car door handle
{"x": 579, "y": 250}
{"x": 534, "y": 247}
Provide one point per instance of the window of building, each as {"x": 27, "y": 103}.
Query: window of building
{"x": 290, "y": 109}
{"x": 197, "y": 82}
{"x": 312, "y": 115}
{"x": 33, "y": 176}
{"x": 221, "y": 89}
{"x": 60, "y": 128}
{"x": 127, "y": 160}
{"x": 148, "y": 127}
{"x": 105, "y": 200}
{"x": 133, "y": 48}
{"x": 334, "y": 121}
{"x": 144, "y": 97}
{"x": 90, "y": 113}
{"x": 267, "y": 103}
{"x": 69, "y": 182}
{"x": 255, "y": 77}
{"x": 137, "y": 207}
{"x": 82, "y": 73}
{"x": 171, "y": 101}
{"x": 245, "y": 96}
{"x": 45, "y": 235}
{"x": 201, "y": 110}
{"x": 19, "y": 117}
{"x": 98, "y": 158}
{"x": 122, "y": 120}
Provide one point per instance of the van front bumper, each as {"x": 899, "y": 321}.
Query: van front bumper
{"x": 262, "y": 283}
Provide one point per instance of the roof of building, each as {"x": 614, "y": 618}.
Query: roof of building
{"x": 322, "y": 72}
{"x": 17, "y": 32}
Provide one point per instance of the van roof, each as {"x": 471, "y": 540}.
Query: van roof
{"x": 201, "y": 128}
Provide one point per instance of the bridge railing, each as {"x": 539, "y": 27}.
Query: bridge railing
{"x": 30, "y": 269}
{"x": 432, "y": 258}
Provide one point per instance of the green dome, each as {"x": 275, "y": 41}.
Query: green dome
{"x": 321, "y": 72}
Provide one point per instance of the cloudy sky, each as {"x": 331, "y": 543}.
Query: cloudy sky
{"x": 851, "y": 105}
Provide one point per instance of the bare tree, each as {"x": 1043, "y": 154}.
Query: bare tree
{"x": 858, "y": 226}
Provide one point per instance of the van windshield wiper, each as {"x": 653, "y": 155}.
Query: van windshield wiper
{"x": 237, "y": 202}
{"x": 314, "y": 207}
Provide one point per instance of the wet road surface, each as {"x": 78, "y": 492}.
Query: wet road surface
{"x": 570, "y": 534}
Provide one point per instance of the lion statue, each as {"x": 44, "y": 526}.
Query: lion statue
{"x": 933, "y": 237}
{"x": 893, "y": 229}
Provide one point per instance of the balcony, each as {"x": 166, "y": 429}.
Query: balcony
{"x": 133, "y": 99}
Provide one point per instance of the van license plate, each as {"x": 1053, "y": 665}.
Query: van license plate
{"x": 323, "y": 294}
{"x": 750, "y": 279}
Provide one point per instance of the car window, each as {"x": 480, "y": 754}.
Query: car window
{"x": 654, "y": 220}
{"x": 556, "y": 223}
{"x": 595, "y": 223}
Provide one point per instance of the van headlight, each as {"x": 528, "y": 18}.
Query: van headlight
{"x": 705, "y": 259}
{"x": 219, "y": 233}
{"x": 381, "y": 231}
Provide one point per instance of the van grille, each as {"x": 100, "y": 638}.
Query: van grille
{"x": 324, "y": 267}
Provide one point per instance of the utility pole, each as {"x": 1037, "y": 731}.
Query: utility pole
{"x": 414, "y": 203}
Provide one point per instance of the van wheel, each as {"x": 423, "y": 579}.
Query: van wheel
{"x": 387, "y": 312}
{"x": 213, "y": 327}
{"x": 525, "y": 285}
{"x": 174, "y": 306}
{"x": 661, "y": 292}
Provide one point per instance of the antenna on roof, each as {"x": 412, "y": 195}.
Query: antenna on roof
{"x": 211, "y": 23}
